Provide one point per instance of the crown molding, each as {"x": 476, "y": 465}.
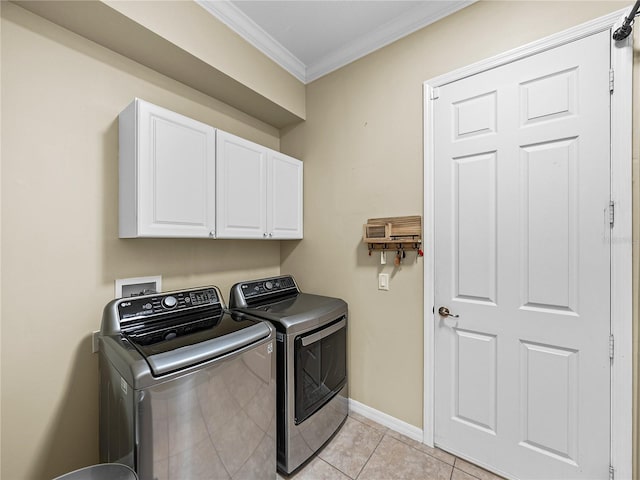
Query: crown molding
{"x": 393, "y": 30}
{"x": 240, "y": 23}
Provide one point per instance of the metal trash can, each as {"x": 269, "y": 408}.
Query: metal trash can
{"x": 102, "y": 471}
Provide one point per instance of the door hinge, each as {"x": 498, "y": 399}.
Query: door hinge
{"x": 611, "y": 472}
{"x": 435, "y": 93}
{"x": 611, "y": 80}
{"x": 611, "y": 346}
{"x": 612, "y": 212}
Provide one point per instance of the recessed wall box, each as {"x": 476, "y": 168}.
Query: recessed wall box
{"x": 136, "y": 286}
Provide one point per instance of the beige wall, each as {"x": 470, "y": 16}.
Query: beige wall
{"x": 0, "y": 248}
{"x": 61, "y": 96}
{"x": 362, "y": 145}
{"x": 206, "y": 38}
{"x": 636, "y": 243}
{"x": 197, "y": 50}
{"x": 362, "y": 148}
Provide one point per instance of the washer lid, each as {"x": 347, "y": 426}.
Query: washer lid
{"x": 234, "y": 332}
{"x": 220, "y": 335}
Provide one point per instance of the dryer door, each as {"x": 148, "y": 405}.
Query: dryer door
{"x": 320, "y": 367}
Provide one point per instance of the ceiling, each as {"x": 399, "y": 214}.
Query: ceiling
{"x": 310, "y": 38}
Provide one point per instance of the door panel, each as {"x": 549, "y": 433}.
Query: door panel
{"x": 522, "y": 255}
{"x": 284, "y": 200}
{"x": 549, "y": 216}
{"x": 475, "y": 116}
{"x": 241, "y": 189}
{"x": 549, "y": 417}
{"x": 475, "y": 227}
{"x": 475, "y": 390}
{"x": 176, "y": 174}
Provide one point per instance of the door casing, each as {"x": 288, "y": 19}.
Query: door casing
{"x": 621, "y": 448}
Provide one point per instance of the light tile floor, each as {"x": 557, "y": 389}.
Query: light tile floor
{"x": 365, "y": 450}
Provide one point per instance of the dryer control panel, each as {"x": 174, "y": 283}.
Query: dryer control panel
{"x": 265, "y": 290}
{"x": 261, "y": 287}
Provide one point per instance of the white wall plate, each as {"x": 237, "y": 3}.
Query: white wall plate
{"x": 133, "y": 287}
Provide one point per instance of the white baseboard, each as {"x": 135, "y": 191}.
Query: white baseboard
{"x": 385, "y": 420}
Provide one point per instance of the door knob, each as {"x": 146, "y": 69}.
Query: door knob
{"x": 444, "y": 312}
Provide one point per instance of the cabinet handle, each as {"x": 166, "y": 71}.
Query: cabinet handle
{"x": 270, "y": 235}
{"x": 264, "y": 235}
{"x": 212, "y": 234}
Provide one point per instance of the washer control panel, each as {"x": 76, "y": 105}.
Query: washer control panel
{"x": 148, "y": 305}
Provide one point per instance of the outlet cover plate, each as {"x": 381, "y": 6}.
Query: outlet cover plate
{"x": 383, "y": 281}
{"x": 94, "y": 341}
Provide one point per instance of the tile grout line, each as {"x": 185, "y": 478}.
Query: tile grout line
{"x": 334, "y": 467}
{"x": 427, "y": 453}
{"x": 385, "y": 432}
{"x": 401, "y": 439}
{"x": 371, "y": 455}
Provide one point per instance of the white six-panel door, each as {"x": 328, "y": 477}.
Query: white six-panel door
{"x": 522, "y": 259}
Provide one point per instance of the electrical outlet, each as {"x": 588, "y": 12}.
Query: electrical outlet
{"x": 94, "y": 341}
{"x": 383, "y": 281}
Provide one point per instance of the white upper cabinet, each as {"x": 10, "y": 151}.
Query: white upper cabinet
{"x": 284, "y": 196}
{"x": 167, "y": 174}
{"x": 241, "y": 170}
{"x": 182, "y": 178}
{"x": 259, "y": 191}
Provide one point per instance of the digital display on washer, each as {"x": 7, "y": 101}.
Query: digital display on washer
{"x": 203, "y": 297}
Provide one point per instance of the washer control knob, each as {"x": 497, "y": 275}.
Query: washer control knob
{"x": 169, "y": 302}
{"x": 268, "y": 285}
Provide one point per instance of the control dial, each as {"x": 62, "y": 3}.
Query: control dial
{"x": 268, "y": 285}
{"x": 169, "y": 302}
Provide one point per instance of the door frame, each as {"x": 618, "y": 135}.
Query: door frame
{"x": 621, "y": 453}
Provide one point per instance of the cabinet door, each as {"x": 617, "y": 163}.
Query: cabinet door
{"x": 176, "y": 174}
{"x": 241, "y": 168}
{"x": 284, "y": 196}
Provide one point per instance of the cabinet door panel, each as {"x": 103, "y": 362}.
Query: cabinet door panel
{"x": 179, "y": 169}
{"x": 284, "y": 200}
{"x": 175, "y": 158}
{"x": 241, "y": 187}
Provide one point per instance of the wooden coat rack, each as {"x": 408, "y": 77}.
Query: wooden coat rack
{"x": 394, "y": 233}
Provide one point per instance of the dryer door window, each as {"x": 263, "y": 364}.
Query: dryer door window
{"x": 320, "y": 367}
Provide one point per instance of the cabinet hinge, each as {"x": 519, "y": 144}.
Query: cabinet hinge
{"x": 435, "y": 93}
{"x": 612, "y": 213}
{"x": 611, "y": 346}
{"x": 611, "y": 472}
{"x": 611, "y": 80}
